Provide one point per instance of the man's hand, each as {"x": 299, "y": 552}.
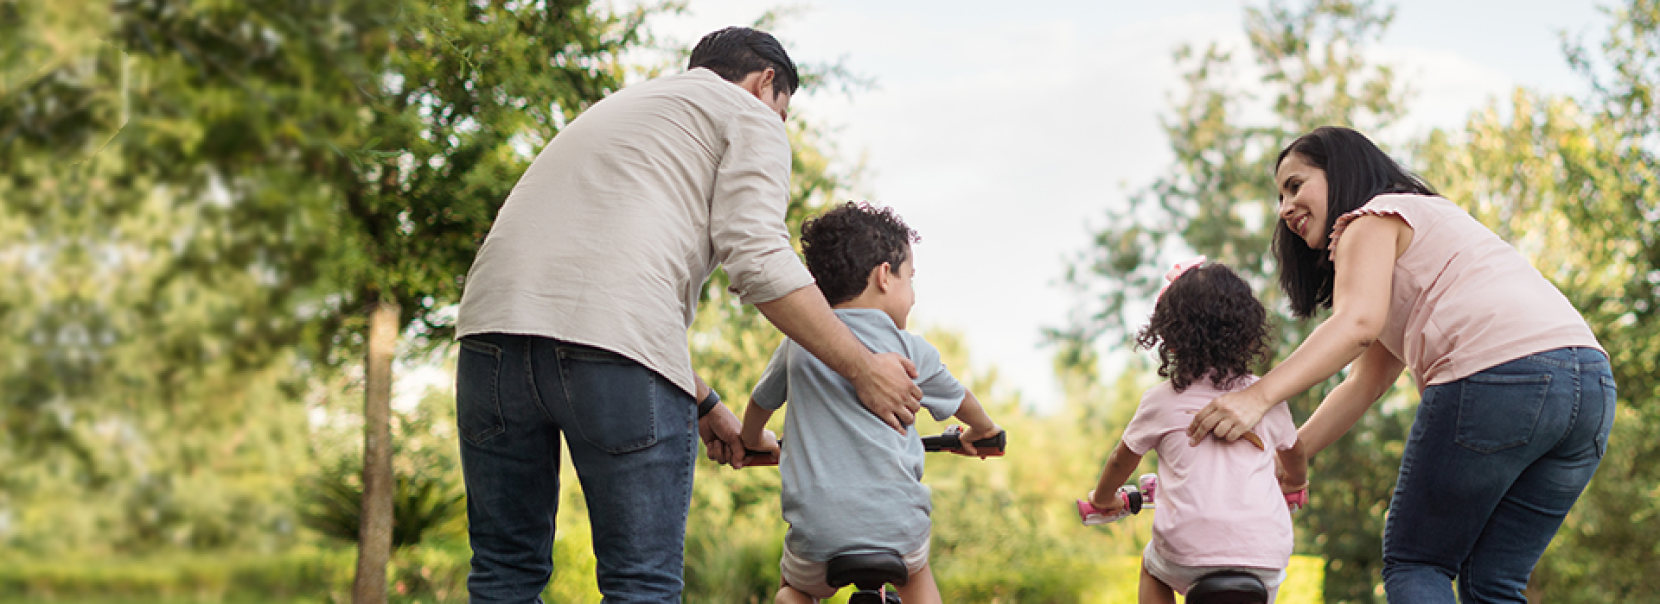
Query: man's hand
{"x": 1229, "y": 417}
{"x": 886, "y": 389}
{"x": 721, "y": 433}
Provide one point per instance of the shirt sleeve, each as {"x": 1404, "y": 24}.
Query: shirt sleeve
{"x": 746, "y": 215}
{"x": 942, "y": 394}
{"x": 774, "y": 386}
{"x": 1142, "y": 433}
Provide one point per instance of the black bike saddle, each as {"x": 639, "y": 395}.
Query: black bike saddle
{"x": 1228, "y": 587}
{"x": 867, "y": 571}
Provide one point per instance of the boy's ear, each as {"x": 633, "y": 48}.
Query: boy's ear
{"x": 881, "y": 277}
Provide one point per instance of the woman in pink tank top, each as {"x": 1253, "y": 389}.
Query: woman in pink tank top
{"x": 1516, "y": 396}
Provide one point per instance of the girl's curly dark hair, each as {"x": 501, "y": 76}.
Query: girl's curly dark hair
{"x": 844, "y": 244}
{"x": 1208, "y": 322}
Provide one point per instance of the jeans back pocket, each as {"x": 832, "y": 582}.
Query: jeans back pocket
{"x": 612, "y": 398}
{"x": 1498, "y": 411}
{"x": 478, "y": 391}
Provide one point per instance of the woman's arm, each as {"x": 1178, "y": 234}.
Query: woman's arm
{"x": 1365, "y": 267}
{"x": 1373, "y": 374}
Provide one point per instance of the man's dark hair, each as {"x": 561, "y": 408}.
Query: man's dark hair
{"x": 1356, "y": 171}
{"x": 846, "y": 243}
{"x": 735, "y": 52}
{"x": 1207, "y": 323}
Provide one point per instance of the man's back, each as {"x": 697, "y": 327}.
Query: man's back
{"x": 610, "y": 233}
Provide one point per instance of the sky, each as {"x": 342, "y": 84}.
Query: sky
{"x": 1003, "y": 132}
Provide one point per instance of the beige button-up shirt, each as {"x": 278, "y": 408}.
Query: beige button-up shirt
{"x": 608, "y": 237}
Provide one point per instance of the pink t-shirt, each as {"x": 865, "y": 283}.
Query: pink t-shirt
{"x": 1218, "y": 503}
{"x": 1462, "y": 299}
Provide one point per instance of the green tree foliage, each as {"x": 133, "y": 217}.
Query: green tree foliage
{"x": 1218, "y": 198}
{"x": 270, "y": 171}
{"x": 145, "y": 390}
{"x": 1575, "y": 185}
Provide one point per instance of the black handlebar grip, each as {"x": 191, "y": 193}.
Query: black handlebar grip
{"x": 951, "y": 441}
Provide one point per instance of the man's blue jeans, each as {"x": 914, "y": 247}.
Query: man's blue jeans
{"x": 1492, "y": 465}
{"x": 632, "y": 438}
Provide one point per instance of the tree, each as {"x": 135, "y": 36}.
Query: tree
{"x": 1219, "y": 199}
{"x": 144, "y": 401}
{"x": 343, "y": 159}
{"x": 453, "y": 99}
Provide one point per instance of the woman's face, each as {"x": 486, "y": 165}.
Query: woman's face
{"x": 1303, "y": 199}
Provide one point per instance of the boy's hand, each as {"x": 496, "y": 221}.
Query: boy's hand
{"x": 972, "y": 434}
{"x": 761, "y": 449}
{"x": 721, "y": 433}
{"x": 765, "y": 442}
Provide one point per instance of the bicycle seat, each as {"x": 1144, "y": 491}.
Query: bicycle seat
{"x": 866, "y": 570}
{"x": 1228, "y": 587}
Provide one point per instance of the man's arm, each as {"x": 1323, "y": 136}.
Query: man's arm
{"x": 718, "y": 429}
{"x": 883, "y": 381}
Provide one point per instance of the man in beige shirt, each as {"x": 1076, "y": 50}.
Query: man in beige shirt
{"x": 574, "y": 316}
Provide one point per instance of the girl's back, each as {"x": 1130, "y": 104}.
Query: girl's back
{"x": 1219, "y": 503}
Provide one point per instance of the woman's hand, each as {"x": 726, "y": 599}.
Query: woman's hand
{"x": 1229, "y": 416}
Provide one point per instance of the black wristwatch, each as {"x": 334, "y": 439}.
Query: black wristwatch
{"x": 708, "y": 403}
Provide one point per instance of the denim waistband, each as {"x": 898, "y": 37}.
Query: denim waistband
{"x": 1572, "y": 357}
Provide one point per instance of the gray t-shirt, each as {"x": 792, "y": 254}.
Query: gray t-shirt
{"x": 851, "y": 483}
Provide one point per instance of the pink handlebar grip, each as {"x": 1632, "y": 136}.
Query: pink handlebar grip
{"x": 1092, "y": 516}
{"x": 1297, "y": 500}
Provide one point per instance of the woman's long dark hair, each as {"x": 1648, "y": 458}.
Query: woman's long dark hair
{"x": 1356, "y": 171}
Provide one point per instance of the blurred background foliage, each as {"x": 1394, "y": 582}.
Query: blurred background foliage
{"x": 202, "y": 200}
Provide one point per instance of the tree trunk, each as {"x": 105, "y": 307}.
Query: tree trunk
{"x": 374, "y": 540}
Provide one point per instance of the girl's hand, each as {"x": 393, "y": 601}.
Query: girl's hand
{"x": 1288, "y": 483}
{"x": 1229, "y": 416}
{"x": 1112, "y": 503}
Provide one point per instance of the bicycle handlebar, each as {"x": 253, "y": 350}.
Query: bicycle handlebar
{"x": 949, "y": 441}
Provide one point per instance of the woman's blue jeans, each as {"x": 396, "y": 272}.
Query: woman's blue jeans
{"x": 1491, "y": 467}
{"x": 632, "y": 439}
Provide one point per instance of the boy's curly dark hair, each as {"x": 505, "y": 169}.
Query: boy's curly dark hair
{"x": 1207, "y": 322}
{"x": 844, "y": 244}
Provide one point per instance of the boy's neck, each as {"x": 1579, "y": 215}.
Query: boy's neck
{"x": 869, "y": 300}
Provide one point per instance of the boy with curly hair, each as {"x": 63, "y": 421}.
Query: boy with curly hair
{"x": 851, "y": 484}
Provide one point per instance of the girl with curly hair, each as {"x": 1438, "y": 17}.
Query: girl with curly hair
{"x": 1221, "y": 505}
